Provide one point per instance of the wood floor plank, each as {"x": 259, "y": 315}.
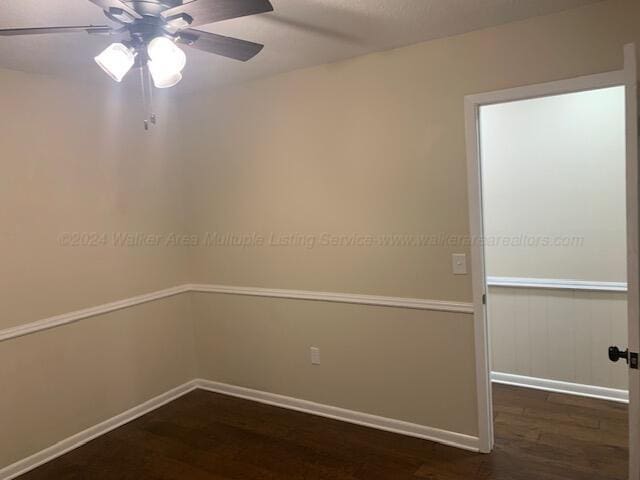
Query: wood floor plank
{"x": 207, "y": 436}
{"x": 566, "y": 418}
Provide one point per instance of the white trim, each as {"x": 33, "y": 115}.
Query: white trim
{"x": 358, "y": 299}
{"x": 75, "y": 441}
{"x": 472, "y": 104}
{"x": 478, "y": 280}
{"x": 556, "y": 284}
{"x": 548, "y": 89}
{"x": 452, "y": 439}
{"x": 591, "y": 391}
{"x": 397, "y": 302}
{"x": 633, "y": 245}
{"x": 67, "y": 318}
{"x": 458, "y": 440}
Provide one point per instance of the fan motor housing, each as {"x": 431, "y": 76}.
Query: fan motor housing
{"x": 152, "y": 8}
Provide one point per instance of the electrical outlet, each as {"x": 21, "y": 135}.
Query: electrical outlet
{"x": 315, "y": 356}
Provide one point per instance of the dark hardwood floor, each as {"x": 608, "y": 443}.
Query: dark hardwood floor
{"x": 206, "y": 436}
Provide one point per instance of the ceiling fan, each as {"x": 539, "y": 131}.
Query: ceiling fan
{"x": 152, "y": 28}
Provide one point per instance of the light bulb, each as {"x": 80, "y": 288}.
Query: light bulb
{"x": 162, "y": 76}
{"x": 116, "y": 60}
{"x": 166, "y": 61}
{"x": 163, "y": 51}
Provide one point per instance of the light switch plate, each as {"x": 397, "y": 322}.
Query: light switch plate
{"x": 315, "y": 356}
{"x": 459, "y": 262}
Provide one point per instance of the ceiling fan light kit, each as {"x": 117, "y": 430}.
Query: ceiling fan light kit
{"x": 151, "y": 30}
{"x": 166, "y": 62}
{"x": 116, "y": 60}
{"x": 162, "y": 76}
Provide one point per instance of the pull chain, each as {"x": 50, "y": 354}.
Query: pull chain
{"x": 147, "y": 96}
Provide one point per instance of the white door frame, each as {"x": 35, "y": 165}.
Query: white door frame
{"x": 633, "y": 244}
{"x": 481, "y": 328}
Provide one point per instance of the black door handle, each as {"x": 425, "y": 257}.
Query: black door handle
{"x": 616, "y": 354}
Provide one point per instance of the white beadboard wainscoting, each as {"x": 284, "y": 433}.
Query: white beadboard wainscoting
{"x": 554, "y": 335}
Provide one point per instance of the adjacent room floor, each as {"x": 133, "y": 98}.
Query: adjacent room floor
{"x": 539, "y": 435}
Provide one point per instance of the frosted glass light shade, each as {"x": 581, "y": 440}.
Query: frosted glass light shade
{"x": 166, "y": 61}
{"x": 163, "y": 77}
{"x": 163, "y": 51}
{"x": 116, "y": 60}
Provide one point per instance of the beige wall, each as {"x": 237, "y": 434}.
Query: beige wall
{"x": 62, "y": 381}
{"x": 554, "y": 187}
{"x": 370, "y": 356}
{"x": 74, "y": 158}
{"x": 370, "y": 145}
{"x": 374, "y": 145}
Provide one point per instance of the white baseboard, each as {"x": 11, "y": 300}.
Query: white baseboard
{"x": 602, "y": 393}
{"x": 23, "y": 466}
{"x": 458, "y": 440}
{"x": 452, "y": 439}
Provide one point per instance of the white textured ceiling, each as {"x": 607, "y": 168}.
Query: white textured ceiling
{"x": 299, "y": 33}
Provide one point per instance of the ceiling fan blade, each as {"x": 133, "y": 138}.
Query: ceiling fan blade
{"x": 40, "y": 30}
{"x": 229, "y": 47}
{"x": 107, "y": 4}
{"x": 210, "y": 11}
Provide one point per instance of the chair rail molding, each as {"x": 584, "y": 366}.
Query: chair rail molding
{"x": 358, "y": 299}
{"x": 556, "y": 284}
{"x": 76, "y": 316}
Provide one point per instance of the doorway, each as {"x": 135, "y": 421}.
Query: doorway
{"x": 553, "y": 201}
{"x": 553, "y": 183}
